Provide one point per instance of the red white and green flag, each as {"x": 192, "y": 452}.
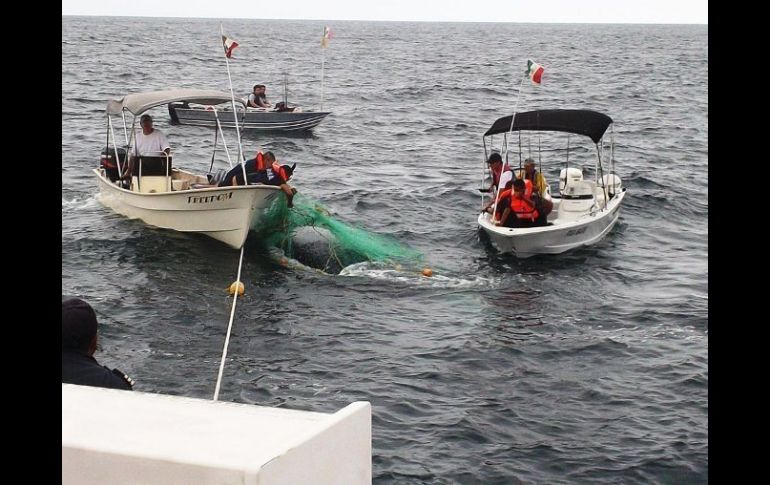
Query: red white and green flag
{"x": 229, "y": 44}
{"x": 327, "y": 35}
{"x": 534, "y": 71}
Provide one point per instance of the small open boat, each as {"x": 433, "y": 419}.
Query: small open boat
{"x": 584, "y": 210}
{"x": 282, "y": 117}
{"x": 164, "y": 196}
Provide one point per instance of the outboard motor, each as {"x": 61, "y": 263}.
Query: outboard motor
{"x": 613, "y": 184}
{"x": 567, "y": 176}
{"x": 577, "y": 194}
{"x": 109, "y": 164}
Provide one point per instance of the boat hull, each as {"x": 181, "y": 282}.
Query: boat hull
{"x": 556, "y": 238}
{"x": 225, "y": 214}
{"x": 249, "y": 120}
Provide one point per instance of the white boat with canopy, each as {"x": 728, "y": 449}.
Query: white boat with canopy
{"x": 164, "y": 196}
{"x": 584, "y": 210}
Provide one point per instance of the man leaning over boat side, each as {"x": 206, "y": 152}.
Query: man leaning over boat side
{"x": 263, "y": 169}
{"x": 79, "y": 330}
{"x": 150, "y": 141}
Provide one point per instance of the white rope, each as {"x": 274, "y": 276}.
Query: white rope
{"x": 229, "y": 329}
{"x": 323, "y": 61}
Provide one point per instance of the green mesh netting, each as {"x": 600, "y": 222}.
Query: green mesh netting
{"x": 348, "y": 245}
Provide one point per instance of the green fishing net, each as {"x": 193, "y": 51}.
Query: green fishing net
{"x": 347, "y": 244}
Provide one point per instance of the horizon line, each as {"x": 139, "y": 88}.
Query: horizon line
{"x": 388, "y": 20}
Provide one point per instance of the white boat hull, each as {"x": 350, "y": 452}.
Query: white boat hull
{"x": 225, "y": 214}
{"x": 556, "y": 238}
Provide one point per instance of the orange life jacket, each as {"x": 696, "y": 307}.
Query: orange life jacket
{"x": 523, "y": 210}
{"x": 260, "y": 162}
{"x": 527, "y": 188}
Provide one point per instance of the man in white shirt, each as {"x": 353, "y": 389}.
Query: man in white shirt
{"x": 150, "y": 141}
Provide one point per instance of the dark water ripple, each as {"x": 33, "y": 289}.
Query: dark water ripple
{"x": 590, "y": 367}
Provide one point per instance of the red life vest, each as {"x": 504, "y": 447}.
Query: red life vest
{"x": 260, "y": 162}
{"x": 523, "y": 210}
{"x": 527, "y": 188}
{"x": 496, "y": 174}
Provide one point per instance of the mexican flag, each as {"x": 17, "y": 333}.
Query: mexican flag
{"x": 534, "y": 71}
{"x": 229, "y": 44}
{"x": 325, "y": 38}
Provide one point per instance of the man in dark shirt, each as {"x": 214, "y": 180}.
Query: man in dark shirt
{"x": 271, "y": 174}
{"x": 78, "y": 344}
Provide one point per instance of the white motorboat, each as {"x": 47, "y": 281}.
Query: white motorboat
{"x": 584, "y": 210}
{"x": 167, "y": 197}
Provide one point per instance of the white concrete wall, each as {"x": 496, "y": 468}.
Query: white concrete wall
{"x": 111, "y": 436}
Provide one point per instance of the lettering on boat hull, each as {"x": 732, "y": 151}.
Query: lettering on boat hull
{"x": 197, "y": 199}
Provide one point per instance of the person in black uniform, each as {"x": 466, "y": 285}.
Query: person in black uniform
{"x": 78, "y": 344}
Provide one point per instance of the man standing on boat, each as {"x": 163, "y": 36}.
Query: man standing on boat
{"x": 150, "y": 141}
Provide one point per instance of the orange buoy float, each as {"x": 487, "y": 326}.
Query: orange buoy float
{"x": 237, "y": 286}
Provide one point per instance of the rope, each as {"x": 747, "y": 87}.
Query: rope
{"x": 229, "y": 329}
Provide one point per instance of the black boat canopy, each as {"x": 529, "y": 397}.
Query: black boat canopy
{"x": 579, "y": 121}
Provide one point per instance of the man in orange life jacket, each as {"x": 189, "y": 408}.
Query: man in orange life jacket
{"x": 263, "y": 169}
{"x": 521, "y": 212}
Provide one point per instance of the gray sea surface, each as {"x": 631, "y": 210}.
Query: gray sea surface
{"x": 587, "y": 367}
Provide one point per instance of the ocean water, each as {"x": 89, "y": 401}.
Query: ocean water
{"x": 587, "y": 367}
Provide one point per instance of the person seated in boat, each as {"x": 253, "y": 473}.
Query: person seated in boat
{"x": 263, "y": 169}
{"x": 521, "y": 212}
{"x": 150, "y": 141}
{"x": 257, "y": 97}
{"x": 78, "y": 344}
{"x": 539, "y": 185}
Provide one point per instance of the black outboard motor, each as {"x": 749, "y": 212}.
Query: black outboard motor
{"x": 109, "y": 164}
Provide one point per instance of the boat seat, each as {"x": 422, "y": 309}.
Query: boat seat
{"x": 151, "y": 165}
{"x": 151, "y": 184}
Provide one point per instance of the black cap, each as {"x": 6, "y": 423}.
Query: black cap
{"x": 495, "y": 157}
{"x": 78, "y": 324}
{"x": 288, "y": 170}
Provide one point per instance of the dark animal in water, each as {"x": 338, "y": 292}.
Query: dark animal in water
{"x": 316, "y": 247}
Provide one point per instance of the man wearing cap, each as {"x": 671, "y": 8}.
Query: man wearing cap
{"x": 149, "y": 142}
{"x": 78, "y": 344}
{"x": 539, "y": 185}
{"x": 500, "y": 173}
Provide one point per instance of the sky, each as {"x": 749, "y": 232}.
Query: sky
{"x": 526, "y": 11}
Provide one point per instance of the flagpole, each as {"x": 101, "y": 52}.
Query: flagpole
{"x": 513, "y": 117}
{"x": 241, "y": 158}
{"x": 323, "y": 60}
